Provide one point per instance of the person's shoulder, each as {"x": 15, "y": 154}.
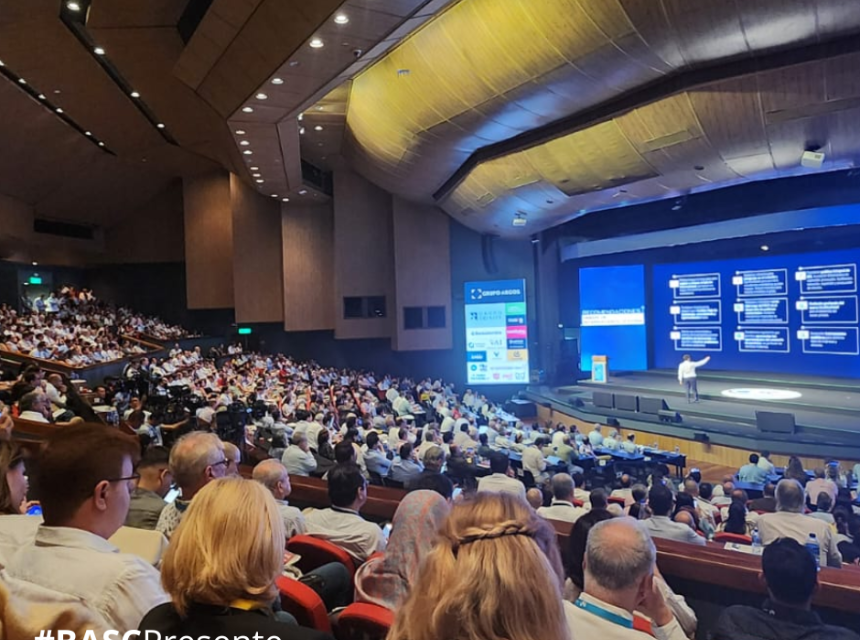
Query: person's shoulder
{"x": 161, "y": 618}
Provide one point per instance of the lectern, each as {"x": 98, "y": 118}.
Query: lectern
{"x": 600, "y": 369}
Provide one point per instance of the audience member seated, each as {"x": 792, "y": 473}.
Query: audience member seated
{"x": 386, "y": 581}
{"x": 85, "y": 479}
{"x": 611, "y": 442}
{"x": 434, "y": 461}
{"x": 752, "y": 472}
{"x": 405, "y": 466}
{"x": 273, "y": 475}
{"x": 722, "y": 496}
{"x": 13, "y": 479}
{"x": 737, "y": 520}
{"x": 535, "y": 498}
{"x": 686, "y": 513}
{"x": 500, "y": 479}
{"x": 624, "y": 491}
{"x": 767, "y": 503}
{"x": 639, "y": 508}
{"x": 341, "y": 524}
{"x": 661, "y": 502}
{"x": 196, "y": 459}
{"x": 595, "y": 437}
{"x": 34, "y": 406}
{"x": 823, "y": 508}
{"x": 464, "y": 587}
{"x": 765, "y": 464}
{"x": 820, "y": 485}
{"x": 794, "y": 471}
{"x": 789, "y": 522}
{"x": 298, "y": 459}
{"x": 619, "y": 569}
{"x": 562, "y": 507}
{"x": 579, "y": 492}
{"x": 792, "y": 579}
{"x": 374, "y": 457}
{"x": 223, "y": 584}
{"x": 147, "y": 499}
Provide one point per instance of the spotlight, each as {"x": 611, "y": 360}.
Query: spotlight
{"x": 73, "y": 6}
{"x": 341, "y": 18}
{"x": 135, "y": 94}
{"x": 247, "y": 109}
{"x": 277, "y": 81}
{"x": 99, "y": 51}
{"x": 261, "y": 96}
{"x": 317, "y": 43}
{"x": 764, "y": 247}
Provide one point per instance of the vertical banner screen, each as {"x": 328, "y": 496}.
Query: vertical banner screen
{"x": 496, "y": 332}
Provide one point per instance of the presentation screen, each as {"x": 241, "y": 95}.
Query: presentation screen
{"x": 612, "y": 322}
{"x": 787, "y": 314}
{"x": 497, "y": 332}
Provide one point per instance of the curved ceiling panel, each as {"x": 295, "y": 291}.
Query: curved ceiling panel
{"x": 486, "y": 71}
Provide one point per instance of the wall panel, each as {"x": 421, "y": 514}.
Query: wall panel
{"x": 208, "y": 241}
{"x": 257, "y": 265}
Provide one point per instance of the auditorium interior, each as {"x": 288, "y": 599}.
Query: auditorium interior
{"x": 463, "y": 271}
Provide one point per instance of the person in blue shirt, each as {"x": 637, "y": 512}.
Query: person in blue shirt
{"x": 375, "y": 458}
{"x": 405, "y": 467}
{"x": 752, "y": 472}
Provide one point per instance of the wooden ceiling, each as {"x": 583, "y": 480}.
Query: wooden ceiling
{"x": 485, "y": 72}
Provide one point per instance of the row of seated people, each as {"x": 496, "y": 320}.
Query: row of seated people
{"x": 484, "y": 566}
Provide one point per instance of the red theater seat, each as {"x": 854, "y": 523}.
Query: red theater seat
{"x": 363, "y": 621}
{"x": 303, "y": 603}
{"x": 732, "y": 537}
{"x": 316, "y": 552}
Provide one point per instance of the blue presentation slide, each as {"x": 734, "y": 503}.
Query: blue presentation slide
{"x": 612, "y": 307}
{"x": 788, "y": 314}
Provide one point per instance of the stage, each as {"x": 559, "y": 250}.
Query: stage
{"x": 826, "y": 410}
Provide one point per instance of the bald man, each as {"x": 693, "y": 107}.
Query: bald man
{"x": 273, "y": 475}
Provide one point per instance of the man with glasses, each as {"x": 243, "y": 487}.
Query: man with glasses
{"x": 196, "y": 459}
{"x": 85, "y": 479}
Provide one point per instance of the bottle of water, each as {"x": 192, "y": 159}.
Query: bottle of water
{"x": 756, "y": 542}
{"x": 815, "y": 549}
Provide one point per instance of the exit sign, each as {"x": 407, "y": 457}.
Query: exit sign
{"x": 244, "y": 331}
{"x": 35, "y": 280}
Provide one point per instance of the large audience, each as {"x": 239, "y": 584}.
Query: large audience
{"x": 470, "y": 554}
{"x": 76, "y": 329}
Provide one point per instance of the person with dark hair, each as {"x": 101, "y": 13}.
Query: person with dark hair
{"x": 344, "y": 452}
{"x": 405, "y": 466}
{"x": 823, "y": 509}
{"x": 500, "y": 479}
{"x": 661, "y": 501}
{"x": 767, "y": 503}
{"x": 374, "y": 458}
{"x": 764, "y": 462}
{"x": 751, "y": 472}
{"x": 598, "y": 499}
{"x": 341, "y": 524}
{"x": 147, "y": 499}
{"x": 324, "y": 447}
{"x": 432, "y": 481}
{"x": 792, "y": 579}
{"x": 685, "y": 511}
{"x": 737, "y": 520}
{"x": 85, "y": 479}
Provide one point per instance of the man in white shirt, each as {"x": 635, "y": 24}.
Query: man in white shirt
{"x": 500, "y": 480}
{"x": 818, "y": 485}
{"x": 85, "y": 480}
{"x": 619, "y": 579}
{"x": 313, "y": 431}
{"x": 297, "y": 458}
{"x": 562, "y": 507}
{"x": 687, "y": 376}
{"x": 765, "y": 464}
{"x": 273, "y": 475}
{"x": 625, "y": 492}
{"x": 32, "y": 406}
{"x": 341, "y": 524}
{"x": 790, "y": 522}
{"x": 660, "y": 525}
{"x": 534, "y": 461}
{"x": 580, "y": 493}
{"x": 595, "y": 437}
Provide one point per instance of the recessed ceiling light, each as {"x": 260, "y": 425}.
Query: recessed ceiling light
{"x": 88, "y": 133}
{"x": 301, "y": 117}
{"x": 22, "y": 81}
{"x": 764, "y": 247}
{"x": 274, "y": 195}
{"x": 320, "y": 108}
{"x": 1, "y": 64}
{"x": 294, "y": 63}
{"x": 59, "y": 110}
{"x": 277, "y": 81}
{"x": 255, "y": 168}
{"x": 261, "y": 96}
{"x": 240, "y": 132}
{"x": 317, "y": 43}
{"x": 244, "y": 143}
{"x": 35, "y": 264}
{"x": 42, "y": 96}
{"x": 318, "y": 127}
{"x": 160, "y": 125}
{"x": 319, "y": 144}
{"x": 248, "y": 109}
{"x": 135, "y": 94}
{"x": 99, "y": 51}
{"x": 303, "y": 192}
{"x": 301, "y": 131}
{"x": 341, "y": 18}
{"x": 247, "y": 152}
{"x": 57, "y": 92}
{"x": 257, "y": 175}
{"x": 101, "y": 144}
{"x": 73, "y": 6}
{"x": 259, "y": 181}
{"x": 285, "y": 200}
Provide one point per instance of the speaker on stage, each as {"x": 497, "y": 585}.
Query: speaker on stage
{"x": 602, "y": 399}
{"x": 774, "y": 422}
{"x": 652, "y": 405}
{"x": 626, "y": 403}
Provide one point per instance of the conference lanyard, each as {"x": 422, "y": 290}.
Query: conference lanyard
{"x": 614, "y": 618}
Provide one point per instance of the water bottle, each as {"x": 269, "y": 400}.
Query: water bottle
{"x": 815, "y": 549}
{"x": 756, "y": 542}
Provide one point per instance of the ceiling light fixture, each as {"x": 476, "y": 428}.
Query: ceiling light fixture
{"x": 101, "y": 144}
{"x": 255, "y": 168}
{"x": 1, "y": 64}
{"x": 274, "y": 195}
{"x": 317, "y": 43}
{"x": 294, "y": 63}
{"x": 301, "y": 117}
{"x": 135, "y": 94}
{"x": 88, "y": 133}
{"x": 277, "y": 81}
{"x": 248, "y": 109}
{"x": 240, "y": 132}
{"x": 42, "y": 96}
{"x": 22, "y": 81}
{"x": 35, "y": 264}
{"x": 257, "y": 175}
{"x": 59, "y": 110}
{"x": 73, "y": 6}
{"x": 285, "y": 200}
{"x": 248, "y": 152}
{"x": 341, "y": 18}
{"x": 261, "y": 96}
{"x": 244, "y": 143}
{"x": 764, "y": 247}
{"x": 301, "y": 131}
{"x": 259, "y": 181}
{"x": 99, "y": 51}
{"x": 318, "y": 127}
{"x": 303, "y": 192}
{"x": 160, "y": 125}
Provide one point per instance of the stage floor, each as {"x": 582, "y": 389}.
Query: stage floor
{"x": 832, "y": 404}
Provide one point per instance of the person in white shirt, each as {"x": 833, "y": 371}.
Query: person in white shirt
{"x": 562, "y": 507}
{"x": 687, "y": 376}
{"x": 534, "y": 461}
{"x": 273, "y": 475}
{"x": 611, "y": 441}
{"x": 85, "y": 478}
{"x": 620, "y": 562}
{"x": 660, "y": 525}
{"x": 499, "y": 480}
{"x": 297, "y": 458}
{"x": 595, "y": 437}
{"x": 341, "y": 524}
{"x": 580, "y": 493}
{"x": 765, "y": 464}
{"x": 32, "y": 406}
{"x": 790, "y": 522}
{"x": 629, "y": 445}
{"x": 625, "y": 492}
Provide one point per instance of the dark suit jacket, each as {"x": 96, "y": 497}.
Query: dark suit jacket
{"x": 213, "y": 621}
{"x": 763, "y": 504}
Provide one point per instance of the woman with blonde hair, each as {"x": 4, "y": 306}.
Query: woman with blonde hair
{"x": 221, "y": 566}
{"x": 494, "y": 574}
